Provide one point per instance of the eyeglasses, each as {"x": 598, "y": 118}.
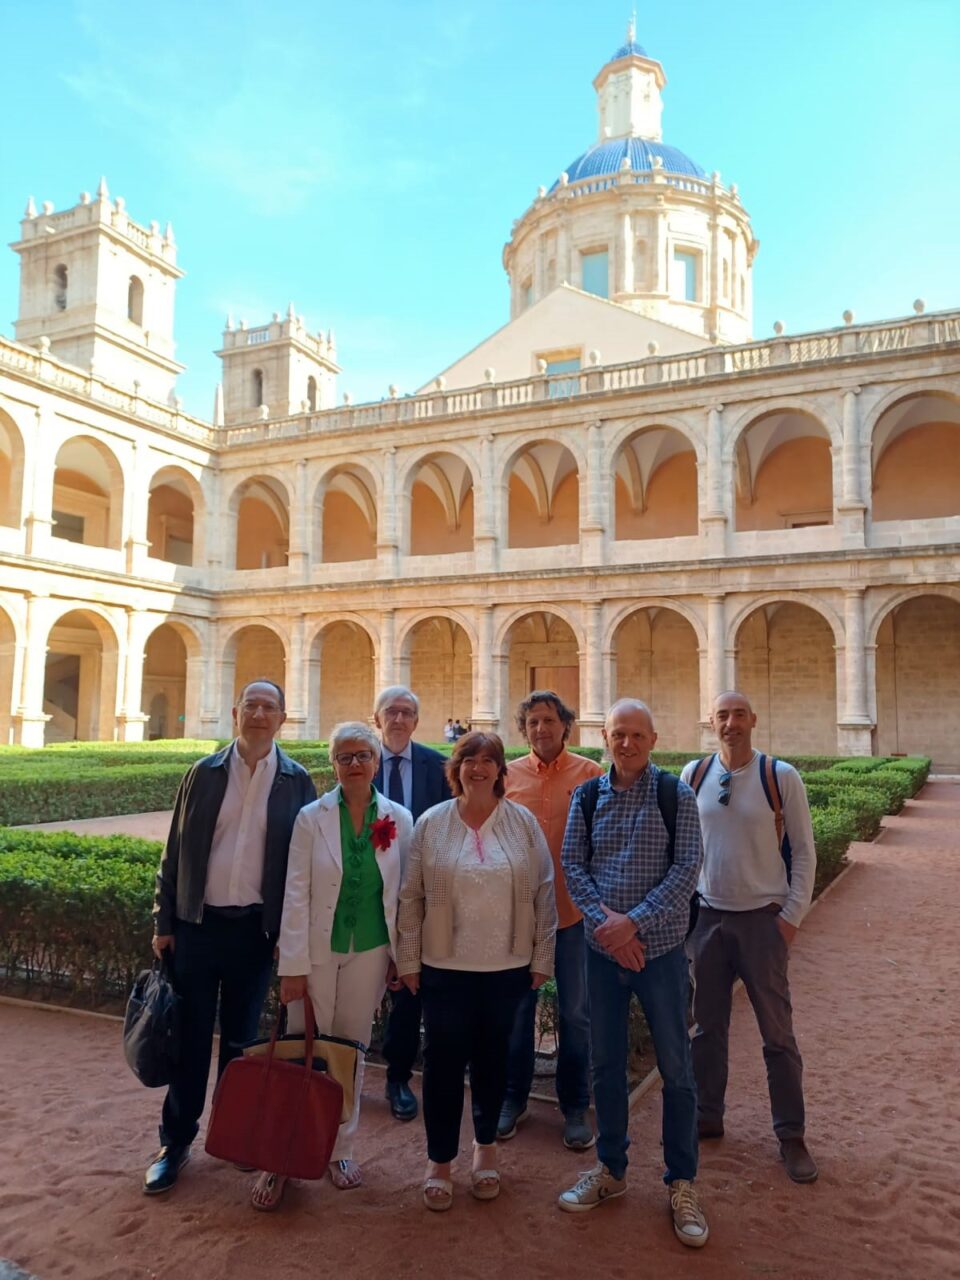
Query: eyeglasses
{"x": 726, "y": 786}
{"x": 348, "y": 757}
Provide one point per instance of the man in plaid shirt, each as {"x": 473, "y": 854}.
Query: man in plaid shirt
{"x": 635, "y": 900}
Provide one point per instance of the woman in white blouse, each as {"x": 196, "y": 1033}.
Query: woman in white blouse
{"x": 477, "y": 924}
{"x": 338, "y": 935}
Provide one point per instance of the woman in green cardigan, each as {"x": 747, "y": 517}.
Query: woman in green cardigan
{"x": 338, "y": 934}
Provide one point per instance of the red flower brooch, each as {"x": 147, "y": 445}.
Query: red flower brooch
{"x": 383, "y": 832}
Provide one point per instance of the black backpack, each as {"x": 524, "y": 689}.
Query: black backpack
{"x": 667, "y": 789}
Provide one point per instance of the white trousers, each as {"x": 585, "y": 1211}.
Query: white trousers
{"x": 346, "y": 992}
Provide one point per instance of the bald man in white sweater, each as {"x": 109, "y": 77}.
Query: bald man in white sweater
{"x": 757, "y": 881}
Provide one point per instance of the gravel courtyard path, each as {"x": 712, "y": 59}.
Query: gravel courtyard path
{"x": 876, "y": 976}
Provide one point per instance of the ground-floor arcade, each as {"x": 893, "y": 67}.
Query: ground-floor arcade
{"x": 835, "y": 666}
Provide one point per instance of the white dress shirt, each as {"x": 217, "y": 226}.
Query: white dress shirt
{"x": 235, "y": 867}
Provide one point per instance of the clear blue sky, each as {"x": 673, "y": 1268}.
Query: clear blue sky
{"x": 367, "y": 160}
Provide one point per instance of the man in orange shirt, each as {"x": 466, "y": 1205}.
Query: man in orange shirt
{"x": 543, "y": 782}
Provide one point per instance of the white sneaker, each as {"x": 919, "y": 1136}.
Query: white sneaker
{"x": 595, "y": 1186}
{"x": 689, "y": 1222}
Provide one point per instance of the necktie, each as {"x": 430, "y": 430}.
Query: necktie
{"x": 395, "y": 782}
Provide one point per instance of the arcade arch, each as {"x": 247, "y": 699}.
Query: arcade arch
{"x": 87, "y": 493}
{"x": 543, "y": 496}
{"x": 784, "y": 472}
{"x": 786, "y": 665}
{"x": 441, "y": 505}
{"x": 341, "y": 675}
{"x": 916, "y": 459}
{"x": 252, "y": 652}
{"x": 541, "y": 652}
{"x": 437, "y": 654}
{"x": 175, "y": 521}
{"x": 657, "y": 659}
{"x": 655, "y": 478}
{"x": 167, "y": 696}
{"x": 11, "y": 472}
{"x": 80, "y": 679}
{"x": 918, "y": 693}
{"x": 345, "y": 516}
{"x": 8, "y": 653}
{"x": 261, "y": 507}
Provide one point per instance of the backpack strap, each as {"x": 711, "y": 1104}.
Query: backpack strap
{"x": 771, "y": 789}
{"x": 700, "y": 770}
{"x": 589, "y": 795}
{"x": 667, "y": 804}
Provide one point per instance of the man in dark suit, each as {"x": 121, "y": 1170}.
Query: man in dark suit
{"x": 413, "y": 776}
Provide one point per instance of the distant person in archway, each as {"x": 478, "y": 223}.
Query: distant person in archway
{"x": 759, "y": 866}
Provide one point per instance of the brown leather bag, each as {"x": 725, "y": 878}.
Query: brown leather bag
{"x": 275, "y": 1115}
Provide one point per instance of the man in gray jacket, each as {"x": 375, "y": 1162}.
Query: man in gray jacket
{"x": 218, "y": 904}
{"x": 757, "y": 881}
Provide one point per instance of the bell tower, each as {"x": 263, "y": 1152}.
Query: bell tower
{"x": 101, "y": 288}
{"x": 277, "y": 369}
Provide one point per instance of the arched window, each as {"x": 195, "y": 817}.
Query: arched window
{"x": 312, "y": 394}
{"x": 257, "y": 387}
{"x": 60, "y": 287}
{"x": 135, "y": 300}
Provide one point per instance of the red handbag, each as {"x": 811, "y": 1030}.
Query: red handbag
{"x": 278, "y": 1116}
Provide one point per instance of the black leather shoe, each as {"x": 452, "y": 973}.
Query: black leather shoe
{"x": 165, "y": 1170}
{"x": 801, "y": 1166}
{"x": 709, "y": 1128}
{"x": 403, "y": 1104}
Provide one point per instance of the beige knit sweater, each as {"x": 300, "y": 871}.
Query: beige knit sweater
{"x": 426, "y": 909}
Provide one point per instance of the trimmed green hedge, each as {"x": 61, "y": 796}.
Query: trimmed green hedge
{"x": 75, "y": 910}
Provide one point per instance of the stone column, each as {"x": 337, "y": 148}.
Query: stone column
{"x": 486, "y": 699}
{"x": 218, "y": 675}
{"x": 486, "y": 544}
{"x": 593, "y": 529}
{"x": 713, "y": 515}
{"x": 37, "y": 501}
{"x": 563, "y": 253}
{"x": 658, "y": 250}
{"x": 387, "y": 657}
{"x": 625, "y": 266}
{"x": 295, "y": 691}
{"x": 387, "y": 536}
{"x": 192, "y": 696}
{"x": 298, "y": 551}
{"x": 30, "y": 720}
{"x": 131, "y": 720}
{"x": 855, "y": 727}
{"x": 716, "y": 665}
{"x": 136, "y": 508}
{"x": 850, "y": 511}
{"x": 591, "y": 701}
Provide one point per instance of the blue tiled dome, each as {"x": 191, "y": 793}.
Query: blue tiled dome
{"x": 628, "y": 49}
{"x": 604, "y": 159}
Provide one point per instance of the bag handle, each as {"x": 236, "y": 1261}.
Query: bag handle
{"x": 309, "y": 1032}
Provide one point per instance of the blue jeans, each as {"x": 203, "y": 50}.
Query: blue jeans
{"x": 662, "y": 988}
{"x": 573, "y": 1031}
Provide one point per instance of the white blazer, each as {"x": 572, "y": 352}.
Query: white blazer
{"x": 314, "y": 875}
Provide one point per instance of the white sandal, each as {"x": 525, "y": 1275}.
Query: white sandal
{"x": 484, "y": 1183}
{"x": 443, "y": 1194}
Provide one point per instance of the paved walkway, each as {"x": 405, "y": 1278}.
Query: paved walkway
{"x": 876, "y": 974}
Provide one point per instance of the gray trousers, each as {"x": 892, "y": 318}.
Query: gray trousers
{"x": 726, "y": 945}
